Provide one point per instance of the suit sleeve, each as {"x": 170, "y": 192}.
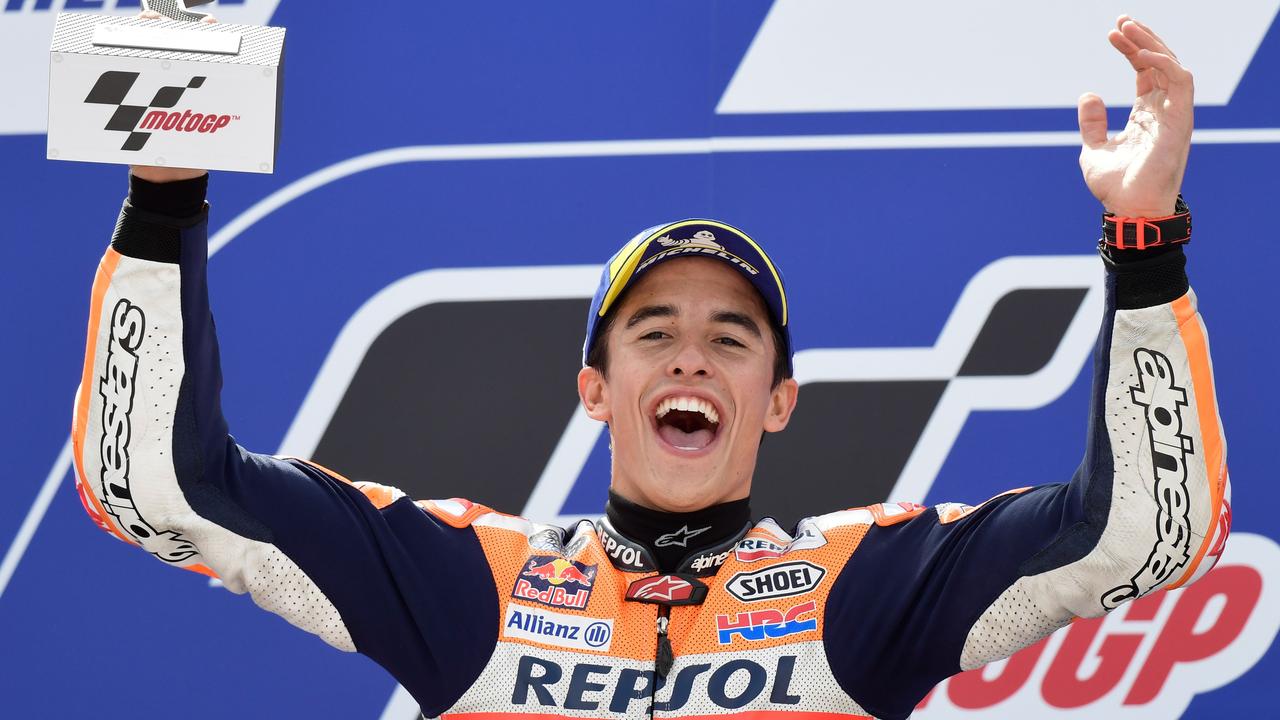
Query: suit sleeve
{"x": 359, "y": 565}
{"x": 1144, "y": 512}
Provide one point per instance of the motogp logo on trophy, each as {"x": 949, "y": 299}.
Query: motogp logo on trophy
{"x": 113, "y": 86}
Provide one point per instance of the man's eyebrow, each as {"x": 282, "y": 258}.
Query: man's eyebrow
{"x": 651, "y": 311}
{"x": 737, "y": 318}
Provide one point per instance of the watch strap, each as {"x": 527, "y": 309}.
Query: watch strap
{"x": 1126, "y": 233}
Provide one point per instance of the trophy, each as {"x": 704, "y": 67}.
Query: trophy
{"x": 173, "y": 92}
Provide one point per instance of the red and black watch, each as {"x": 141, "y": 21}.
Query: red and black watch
{"x": 1125, "y": 233}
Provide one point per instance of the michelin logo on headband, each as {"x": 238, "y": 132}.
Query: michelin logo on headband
{"x": 702, "y": 242}
{"x": 702, "y": 238}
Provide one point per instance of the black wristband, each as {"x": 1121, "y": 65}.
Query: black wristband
{"x": 1125, "y": 233}
{"x": 179, "y": 199}
{"x": 1146, "y": 278}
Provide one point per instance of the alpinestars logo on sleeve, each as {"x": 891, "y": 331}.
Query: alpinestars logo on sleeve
{"x": 116, "y": 388}
{"x": 1162, "y": 401}
{"x": 113, "y": 87}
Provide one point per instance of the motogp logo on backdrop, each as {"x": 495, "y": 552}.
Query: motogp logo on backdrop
{"x": 1148, "y": 658}
{"x": 113, "y": 86}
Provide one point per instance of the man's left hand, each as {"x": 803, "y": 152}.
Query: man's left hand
{"x": 1138, "y": 172}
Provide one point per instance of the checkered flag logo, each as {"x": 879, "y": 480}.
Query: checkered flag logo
{"x": 112, "y": 88}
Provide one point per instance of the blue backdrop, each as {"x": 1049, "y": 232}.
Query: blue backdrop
{"x": 878, "y": 245}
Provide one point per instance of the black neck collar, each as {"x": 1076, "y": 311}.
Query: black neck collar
{"x": 640, "y": 539}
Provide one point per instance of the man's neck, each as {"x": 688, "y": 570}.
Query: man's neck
{"x": 676, "y": 541}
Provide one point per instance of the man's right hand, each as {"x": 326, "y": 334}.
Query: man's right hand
{"x": 155, "y": 174}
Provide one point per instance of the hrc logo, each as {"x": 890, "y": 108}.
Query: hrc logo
{"x": 771, "y": 623}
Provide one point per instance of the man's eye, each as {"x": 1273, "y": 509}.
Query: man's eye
{"x": 653, "y": 335}
{"x": 729, "y": 341}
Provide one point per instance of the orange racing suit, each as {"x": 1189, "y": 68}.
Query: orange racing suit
{"x": 479, "y": 614}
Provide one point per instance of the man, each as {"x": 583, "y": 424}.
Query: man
{"x": 676, "y": 604}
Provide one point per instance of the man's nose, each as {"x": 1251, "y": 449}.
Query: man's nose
{"x": 690, "y": 359}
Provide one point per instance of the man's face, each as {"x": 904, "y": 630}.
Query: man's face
{"x": 690, "y": 386}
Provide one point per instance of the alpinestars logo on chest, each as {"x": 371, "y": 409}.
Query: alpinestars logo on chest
{"x": 679, "y": 538}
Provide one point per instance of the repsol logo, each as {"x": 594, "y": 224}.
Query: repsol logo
{"x": 116, "y": 388}
{"x": 623, "y": 553}
{"x": 731, "y": 685}
{"x": 1162, "y": 402}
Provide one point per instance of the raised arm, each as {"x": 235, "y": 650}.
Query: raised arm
{"x": 355, "y": 563}
{"x": 959, "y": 586}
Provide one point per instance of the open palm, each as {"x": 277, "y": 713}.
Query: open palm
{"x": 1138, "y": 172}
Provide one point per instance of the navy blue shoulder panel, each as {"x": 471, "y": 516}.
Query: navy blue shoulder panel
{"x": 909, "y": 595}
{"x": 905, "y": 601}
{"x": 415, "y": 594}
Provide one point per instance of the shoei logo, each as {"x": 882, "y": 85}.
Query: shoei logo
{"x": 113, "y": 86}
{"x": 785, "y": 580}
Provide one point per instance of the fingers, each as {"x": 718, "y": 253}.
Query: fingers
{"x": 1170, "y": 76}
{"x": 1123, "y": 44}
{"x": 1141, "y": 33}
{"x": 1147, "y": 53}
{"x": 153, "y": 15}
{"x": 1092, "y": 115}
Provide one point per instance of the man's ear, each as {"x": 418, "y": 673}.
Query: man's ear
{"x": 782, "y": 402}
{"x": 593, "y": 391}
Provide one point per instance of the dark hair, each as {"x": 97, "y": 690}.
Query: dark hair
{"x": 598, "y": 353}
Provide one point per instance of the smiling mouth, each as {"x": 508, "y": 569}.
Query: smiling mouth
{"x": 687, "y": 423}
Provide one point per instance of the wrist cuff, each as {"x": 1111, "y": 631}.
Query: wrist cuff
{"x": 180, "y": 200}
{"x": 1145, "y": 278}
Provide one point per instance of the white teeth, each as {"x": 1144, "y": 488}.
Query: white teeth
{"x": 689, "y": 404}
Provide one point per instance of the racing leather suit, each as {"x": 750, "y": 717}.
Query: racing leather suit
{"x": 477, "y": 613}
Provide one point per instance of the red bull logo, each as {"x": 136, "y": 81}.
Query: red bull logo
{"x": 1149, "y": 658}
{"x": 555, "y": 581}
